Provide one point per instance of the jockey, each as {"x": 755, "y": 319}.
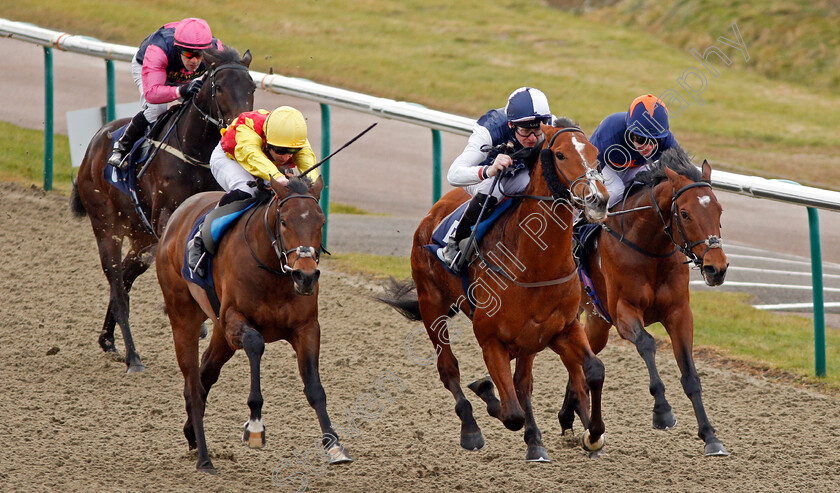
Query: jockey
{"x": 518, "y": 126}
{"x": 167, "y": 67}
{"x": 258, "y": 145}
{"x": 628, "y": 142}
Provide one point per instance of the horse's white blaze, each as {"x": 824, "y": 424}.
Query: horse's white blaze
{"x": 304, "y": 215}
{"x": 579, "y": 146}
{"x": 704, "y": 200}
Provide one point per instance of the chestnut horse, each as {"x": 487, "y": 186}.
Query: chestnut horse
{"x": 524, "y": 300}
{"x": 173, "y": 174}
{"x": 641, "y": 276}
{"x": 266, "y": 277}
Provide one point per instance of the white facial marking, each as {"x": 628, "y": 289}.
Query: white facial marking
{"x": 304, "y": 215}
{"x": 579, "y": 146}
{"x": 704, "y": 200}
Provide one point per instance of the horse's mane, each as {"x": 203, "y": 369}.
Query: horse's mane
{"x": 675, "y": 159}
{"x": 299, "y": 185}
{"x": 219, "y": 57}
{"x": 552, "y": 179}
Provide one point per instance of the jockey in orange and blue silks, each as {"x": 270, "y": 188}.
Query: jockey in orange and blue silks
{"x": 167, "y": 66}
{"x": 627, "y": 142}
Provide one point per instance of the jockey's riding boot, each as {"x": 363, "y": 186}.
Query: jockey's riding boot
{"x": 449, "y": 254}
{"x": 196, "y": 254}
{"x": 136, "y": 129}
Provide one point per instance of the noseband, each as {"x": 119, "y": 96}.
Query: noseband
{"x": 711, "y": 242}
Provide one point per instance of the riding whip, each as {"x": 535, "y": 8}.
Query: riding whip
{"x": 339, "y": 149}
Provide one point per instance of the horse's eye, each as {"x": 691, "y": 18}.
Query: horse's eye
{"x": 684, "y": 214}
{"x": 560, "y": 155}
{"x": 283, "y": 223}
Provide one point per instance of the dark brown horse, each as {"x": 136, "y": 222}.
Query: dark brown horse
{"x": 266, "y": 277}
{"x": 174, "y": 173}
{"x": 523, "y": 294}
{"x": 639, "y": 272}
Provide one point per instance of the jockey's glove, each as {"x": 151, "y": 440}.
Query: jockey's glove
{"x": 189, "y": 89}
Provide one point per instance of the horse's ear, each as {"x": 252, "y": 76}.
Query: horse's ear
{"x": 673, "y": 176}
{"x": 548, "y": 132}
{"x": 246, "y": 58}
{"x": 317, "y": 187}
{"x": 279, "y": 189}
{"x": 707, "y": 170}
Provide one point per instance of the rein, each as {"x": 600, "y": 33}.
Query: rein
{"x": 685, "y": 247}
{"x": 277, "y": 239}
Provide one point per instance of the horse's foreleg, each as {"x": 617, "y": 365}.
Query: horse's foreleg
{"x": 524, "y": 380}
{"x": 586, "y": 376}
{"x": 630, "y": 327}
{"x": 254, "y": 346}
{"x": 307, "y": 346}
{"x": 132, "y": 267}
{"x": 680, "y": 326}
{"x": 497, "y": 359}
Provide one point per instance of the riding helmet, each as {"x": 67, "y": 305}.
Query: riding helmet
{"x": 285, "y": 127}
{"x": 193, "y": 34}
{"x": 527, "y": 107}
{"x": 648, "y": 117}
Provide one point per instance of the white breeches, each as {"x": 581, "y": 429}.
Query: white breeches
{"x": 617, "y": 181}
{"x": 230, "y": 174}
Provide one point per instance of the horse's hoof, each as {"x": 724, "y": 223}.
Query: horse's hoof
{"x": 254, "y": 434}
{"x": 338, "y": 455}
{"x": 481, "y": 385}
{"x": 715, "y": 449}
{"x": 537, "y": 454}
{"x": 664, "y": 421}
{"x": 588, "y": 445}
{"x": 203, "y": 333}
{"x": 136, "y": 368}
{"x": 597, "y": 454}
{"x": 206, "y": 467}
{"x": 472, "y": 441}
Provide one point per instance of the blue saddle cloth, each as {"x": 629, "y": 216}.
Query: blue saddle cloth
{"x": 126, "y": 180}
{"x": 584, "y": 240}
{"x": 205, "y": 282}
{"x": 447, "y": 227}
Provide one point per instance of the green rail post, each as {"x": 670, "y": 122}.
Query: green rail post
{"x": 48, "y": 118}
{"x": 436, "y": 165}
{"x": 325, "y": 168}
{"x": 816, "y": 288}
{"x": 817, "y": 281}
{"x": 111, "y": 106}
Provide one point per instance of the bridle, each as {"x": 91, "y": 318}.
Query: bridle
{"x": 214, "y": 103}
{"x": 277, "y": 243}
{"x": 588, "y": 179}
{"x": 684, "y": 245}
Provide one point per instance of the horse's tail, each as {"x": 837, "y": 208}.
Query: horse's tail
{"x": 76, "y": 206}
{"x": 402, "y": 297}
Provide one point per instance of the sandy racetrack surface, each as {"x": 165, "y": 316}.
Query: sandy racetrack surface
{"x": 72, "y": 420}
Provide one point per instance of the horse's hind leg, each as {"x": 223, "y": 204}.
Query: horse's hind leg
{"x": 680, "y": 327}
{"x": 121, "y": 275}
{"x": 447, "y": 365}
{"x": 307, "y": 345}
{"x": 586, "y": 371}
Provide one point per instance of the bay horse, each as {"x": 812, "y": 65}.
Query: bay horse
{"x": 524, "y": 306}
{"x": 640, "y": 275}
{"x": 174, "y": 173}
{"x": 265, "y": 274}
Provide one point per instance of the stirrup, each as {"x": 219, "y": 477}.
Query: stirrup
{"x": 118, "y": 159}
{"x": 195, "y": 256}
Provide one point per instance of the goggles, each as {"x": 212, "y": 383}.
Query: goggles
{"x": 190, "y": 54}
{"x": 281, "y": 150}
{"x": 527, "y": 132}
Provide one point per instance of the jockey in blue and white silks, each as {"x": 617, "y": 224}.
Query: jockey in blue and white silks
{"x": 517, "y": 125}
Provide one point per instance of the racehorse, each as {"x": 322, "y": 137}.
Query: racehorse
{"x": 266, "y": 278}
{"x": 640, "y": 275}
{"x": 524, "y": 306}
{"x": 176, "y": 171}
